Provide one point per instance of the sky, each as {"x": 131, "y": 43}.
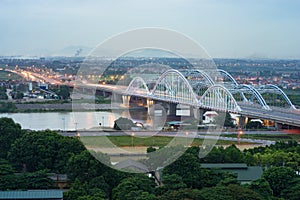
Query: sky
{"x": 225, "y": 28}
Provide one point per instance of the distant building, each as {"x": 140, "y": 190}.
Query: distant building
{"x": 209, "y": 117}
{"x": 132, "y": 165}
{"x": 245, "y": 174}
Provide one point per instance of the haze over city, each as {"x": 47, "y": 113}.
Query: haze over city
{"x": 226, "y": 29}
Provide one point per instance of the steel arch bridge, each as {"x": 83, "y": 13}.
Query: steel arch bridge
{"x": 183, "y": 87}
{"x": 217, "y": 90}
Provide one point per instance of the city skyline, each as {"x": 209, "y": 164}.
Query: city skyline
{"x": 227, "y": 29}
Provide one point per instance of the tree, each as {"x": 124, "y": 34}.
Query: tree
{"x": 84, "y": 167}
{"x": 18, "y": 95}
{"x": 99, "y": 182}
{"x": 133, "y": 188}
{"x": 11, "y": 181}
{"x": 278, "y": 178}
{"x": 77, "y": 189}
{"x": 7, "y": 177}
{"x": 123, "y": 124}
{"x": 230, "y": 192}
{"x": 293, "y": 191}
{"x": 151, "y": 149}
{"x": 9, "y": 132}
{"x": 216, "y": 155}
{"x": 186, "y": 193}
{"x": 3, "y": 95}
{"x": 233, "y": 155}
{"x": 172, "y": 182}
{"x": 64, "y": 92}
{"x": 187, "y": 167}
{"x": 34, "y": 180}
{"x": 262, "y": 187}
{"x": 43, "y": 150}
{"x": 254, "y": 125}
{"x": 7, "y": 107}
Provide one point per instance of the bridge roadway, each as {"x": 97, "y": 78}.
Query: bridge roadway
{"x": 283, "y": 116}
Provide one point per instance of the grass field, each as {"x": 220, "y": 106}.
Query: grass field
{"x": 4, "y": 75}
{"x": 158, "y": 141}
{"x": 273, "y": 137}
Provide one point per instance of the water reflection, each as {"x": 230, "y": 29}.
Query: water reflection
{"x": 63, "y": 120}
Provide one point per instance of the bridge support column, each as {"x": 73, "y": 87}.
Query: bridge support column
{"x": 278, "y": 126}
{"x": 195, "y": 112}
{"x": 150, "y": 104}
{"x": 126, "y": 100}
{"x": 242, "y": 121}
{"x": 173, "y": 108}
{"x": 201, "y": 115}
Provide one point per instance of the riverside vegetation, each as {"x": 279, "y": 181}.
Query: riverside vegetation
{"x": 27, "y": 158}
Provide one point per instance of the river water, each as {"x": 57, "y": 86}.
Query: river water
{"x": 70, "y": 121}
{"x": 63, "y": 120}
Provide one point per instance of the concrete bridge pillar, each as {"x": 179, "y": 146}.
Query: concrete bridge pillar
{"x": 150, "y": 104}
{"x": 242, "y": 121}
{"x": 201, "y": 115}
{"x": 278, "y": 126}
{"x": 172, "y": 110}
{"x": 116, "y": 100}
{"x": 126, "y": 100}
{"x": 195, "y": 112}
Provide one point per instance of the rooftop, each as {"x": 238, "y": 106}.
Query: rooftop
{"x": 32, "y": 194}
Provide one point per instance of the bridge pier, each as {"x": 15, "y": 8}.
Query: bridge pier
{"x": 173, "y": 109}
{"x": 242, "y": 121}
{"x": 126, "y": 100}
{"x": 278, "y": 126}
{"x": 201, "y": 115}
{"x": 195, "y": 112}
{"x": 150, "y": 104}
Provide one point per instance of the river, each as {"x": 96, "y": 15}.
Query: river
{"x": 63, "y": 120}
{"x": 70, "y": 121}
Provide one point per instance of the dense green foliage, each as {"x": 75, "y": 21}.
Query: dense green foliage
{"x": 64, "y": 92}
{"x": 27, "y": 158}
{"x": 7, "y": 107}
{"x": 43, "y": 150}
{"x": 9, "y": 132}
{"x": 3, "y": 95}
{"x": 10, "y": 180}
{"x": 254, "y": 125}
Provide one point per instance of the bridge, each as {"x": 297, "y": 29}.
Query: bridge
{"x": 204, "y": 90}
{"x": 210, "y": 90}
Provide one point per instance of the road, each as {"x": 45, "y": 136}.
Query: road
{"x": 200, "y": 135}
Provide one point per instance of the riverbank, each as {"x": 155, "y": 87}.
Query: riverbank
{"x": 48, "y": 107}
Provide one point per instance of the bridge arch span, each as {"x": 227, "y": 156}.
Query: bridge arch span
{"x": 173, "y": 86}
{"x": 194, "y": 72}
{"x": 252, "y": 91}
{"x": 225, "y": 73}
{"x": 136, "y": 85}
{"x": 267, "y": 88}
{"x": 219, "y": 97}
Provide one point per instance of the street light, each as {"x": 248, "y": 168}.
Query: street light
{"x": 64, "y": 126}
{"x": 240, "y": 132}
{"x": 186, "y": 136}
{"x": 76, "y": 126}
{"x": 132, "y": 135}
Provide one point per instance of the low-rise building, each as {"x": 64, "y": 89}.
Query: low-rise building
{"x": 245, "y": 174}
